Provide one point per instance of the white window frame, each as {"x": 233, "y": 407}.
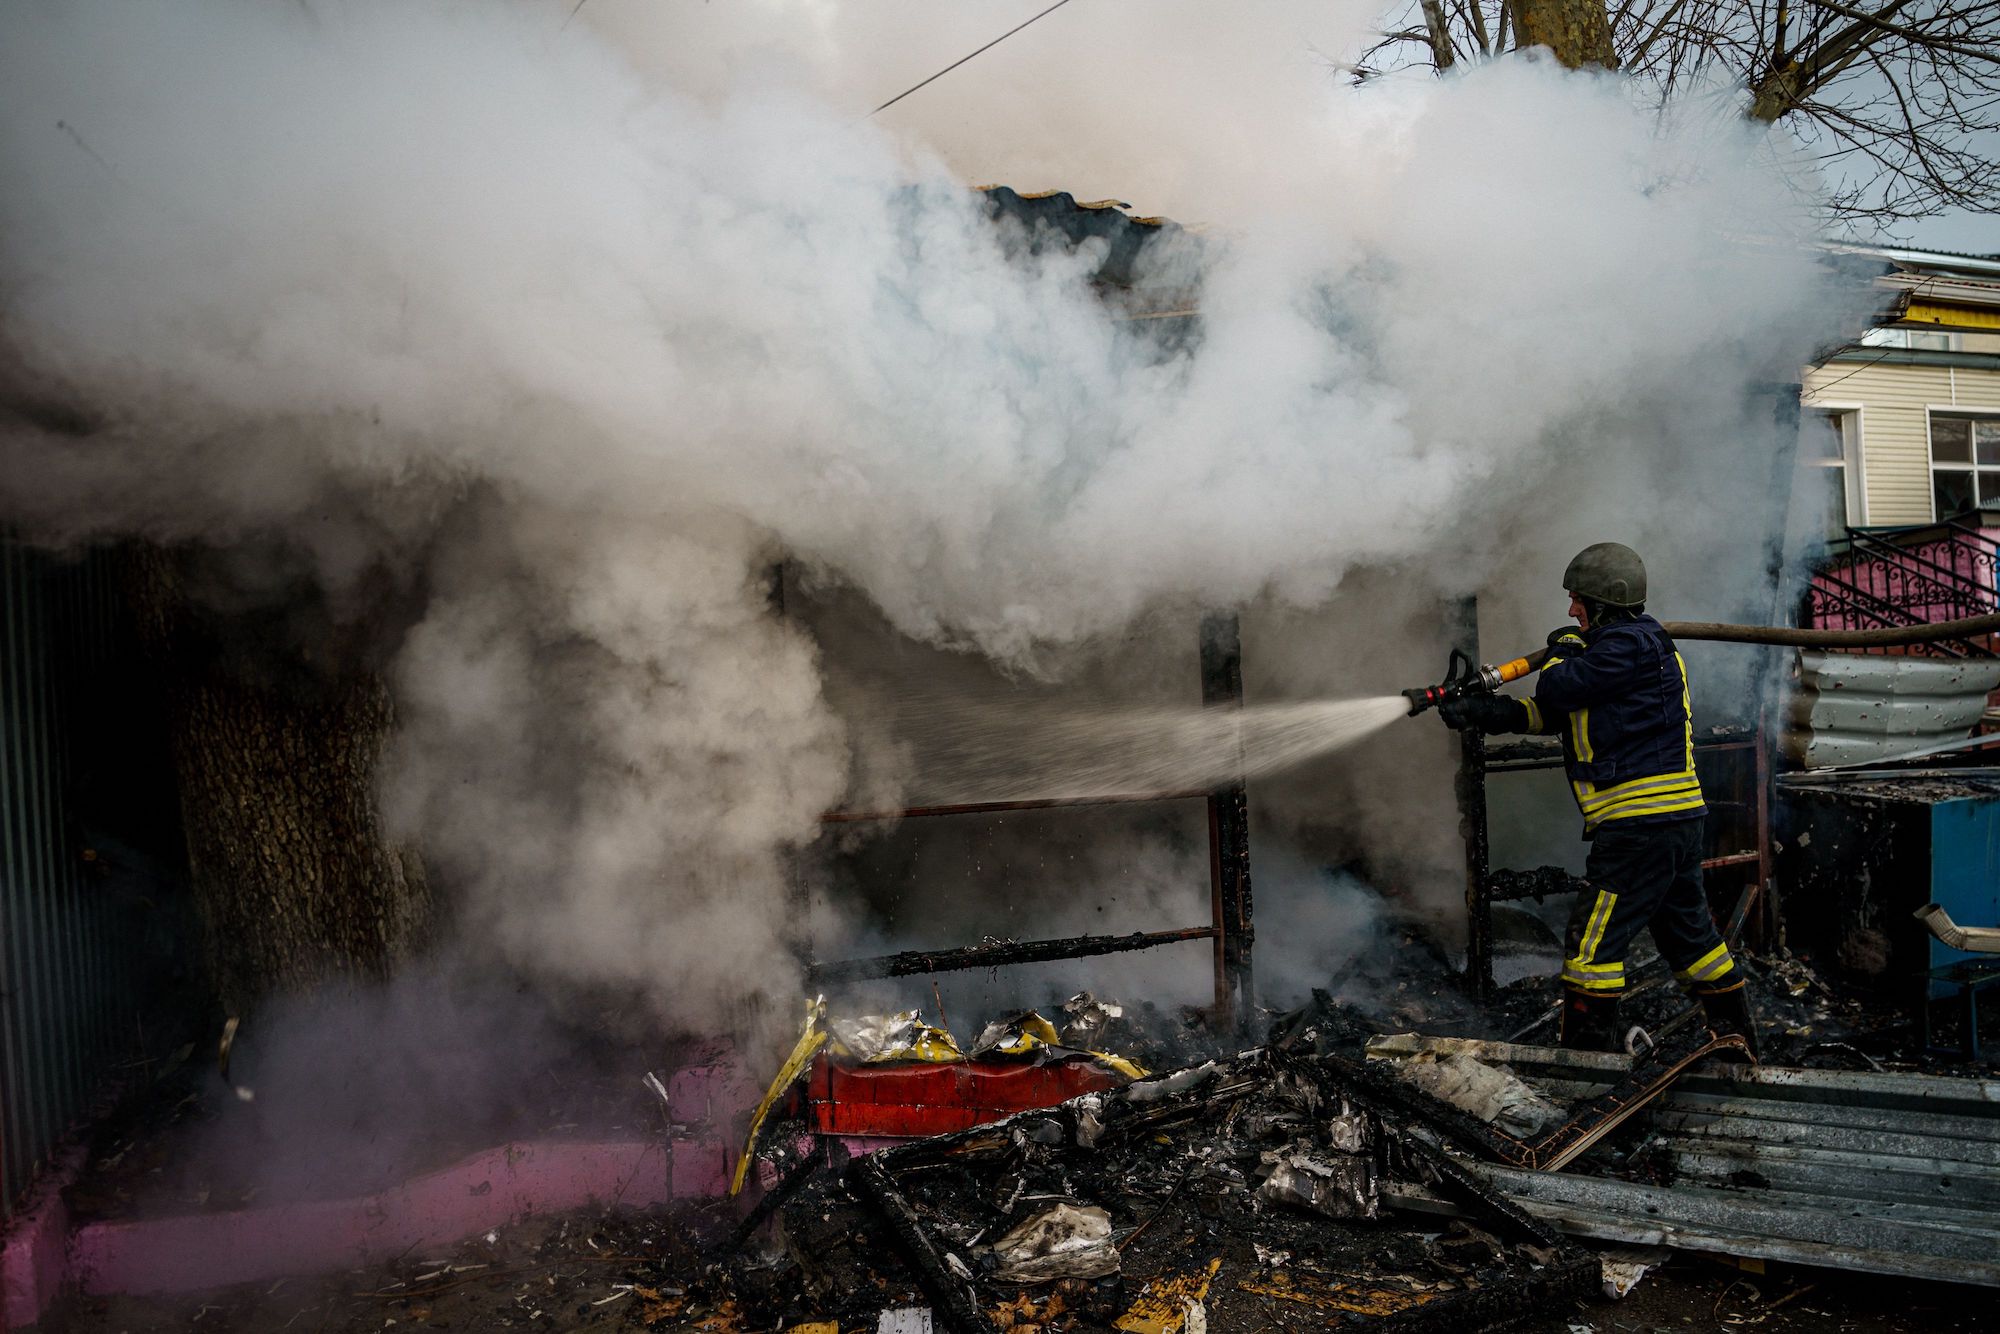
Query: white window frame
{"x": 1899, "y": 336}
{"x": 1853, "y": 481}
{"x": 1970, "y": 411}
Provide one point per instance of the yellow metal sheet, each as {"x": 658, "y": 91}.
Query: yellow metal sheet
{"x": 811, "y": 1039}
{"x": 1163, "y": 1307}
{"x": 1952, "y": 316}
{"x": 1371, "y": 1299}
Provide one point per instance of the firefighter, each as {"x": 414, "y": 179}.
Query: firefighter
{"x": 1615, "y": 689}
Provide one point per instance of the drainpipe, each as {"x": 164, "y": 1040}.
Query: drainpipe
{"x": 1972, "y": 939}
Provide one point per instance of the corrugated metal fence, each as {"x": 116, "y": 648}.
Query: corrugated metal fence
{"x": 67, "y": 947}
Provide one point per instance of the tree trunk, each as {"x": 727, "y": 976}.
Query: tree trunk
{"x": 1577, "y": 31}
{"x": 275, "y": 757}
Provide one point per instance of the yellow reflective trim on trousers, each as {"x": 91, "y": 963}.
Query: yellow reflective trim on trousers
{"x": 1705, "y": 960}
{"x": 1593, "y": 929}
{"x": 1709, "y": 966}
{"x": 1594, "y": 976}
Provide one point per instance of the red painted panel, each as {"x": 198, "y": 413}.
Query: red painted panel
{"x": 934, "y": 1099}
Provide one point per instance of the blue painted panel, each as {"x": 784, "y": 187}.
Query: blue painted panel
{"x": 1965, "y": 867}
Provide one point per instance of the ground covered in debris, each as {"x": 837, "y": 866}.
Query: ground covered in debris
{"x": 1249, "y": 1186}
{"x": 584, "y": 1272}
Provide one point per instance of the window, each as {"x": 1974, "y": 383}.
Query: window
{"x": 1965, "y": 463}
{"x": 1826, "y": 446}
{"x": 1917, "y": 340}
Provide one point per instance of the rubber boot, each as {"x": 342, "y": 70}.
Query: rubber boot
{"x": 1590, "y": 1023}
{"x": 1729, "y": 1012}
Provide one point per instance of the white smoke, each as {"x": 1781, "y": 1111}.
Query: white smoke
{"x": 452, "y": 289}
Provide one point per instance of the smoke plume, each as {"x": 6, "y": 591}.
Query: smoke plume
{"x": 460, "y": 292}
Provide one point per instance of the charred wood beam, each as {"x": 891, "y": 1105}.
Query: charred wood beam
{"x": 957, "y": 1302}
{"x": 826, "y": 1152}
{"x": 1536, "y": 884}
{"x": 911, "y": 962}
{"x": 1228, "y": 831}
{"x": 988, "y": 807}
{"x": 1469, "y": 793}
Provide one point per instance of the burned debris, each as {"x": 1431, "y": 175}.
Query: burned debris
{"x": 1216, "y": 1189}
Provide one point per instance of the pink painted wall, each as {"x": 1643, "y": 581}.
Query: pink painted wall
{"x": 42, "y": 1254}
{"x": 1910, "y": 584}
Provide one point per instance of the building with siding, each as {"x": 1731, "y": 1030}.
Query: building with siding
{"x": 1906, "y": 423}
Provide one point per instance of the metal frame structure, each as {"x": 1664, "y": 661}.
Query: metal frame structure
{"x": 1230, "y": 925}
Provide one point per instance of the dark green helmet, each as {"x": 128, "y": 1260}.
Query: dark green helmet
{"x": 1609, "y": 573}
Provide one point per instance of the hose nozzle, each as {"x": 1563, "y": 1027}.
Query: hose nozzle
{"x": 1426, "y": 697}
{"x": 1463, "y": 678}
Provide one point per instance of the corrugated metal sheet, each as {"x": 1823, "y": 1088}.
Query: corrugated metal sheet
{"x": 1883, "y": 1173}
{"x": 65, "y": 978}
{"x": 1854, "y": 707}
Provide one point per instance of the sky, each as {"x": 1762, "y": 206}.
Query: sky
{"x": 1010, "y": 115}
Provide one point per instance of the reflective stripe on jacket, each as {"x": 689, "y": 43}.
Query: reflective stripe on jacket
{"x": 1621, "y": 707}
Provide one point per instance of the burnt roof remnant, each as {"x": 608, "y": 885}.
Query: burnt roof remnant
{"x": 1149, "y": 269}
{"x": 1058, "y": 216}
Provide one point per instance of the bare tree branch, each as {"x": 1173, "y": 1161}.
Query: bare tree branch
{"x": 1891, "y": 97}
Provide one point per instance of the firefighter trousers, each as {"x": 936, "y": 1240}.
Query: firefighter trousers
{"x": 1645, "y": 876}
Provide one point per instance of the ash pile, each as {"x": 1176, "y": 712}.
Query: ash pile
{"x": 1228, "y": 1195}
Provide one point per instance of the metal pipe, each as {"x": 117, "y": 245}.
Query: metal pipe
{"x": 1971, "y": 939}
{"x": 911, "y": 962}
{"x": 1971, "y": 627}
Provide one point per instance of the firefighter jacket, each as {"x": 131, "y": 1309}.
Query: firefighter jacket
{"x": 1621, "y": 708}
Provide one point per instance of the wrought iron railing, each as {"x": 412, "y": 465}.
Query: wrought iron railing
{"x": 1914, "y": 579}
{"x": 1832, "y": 603}
{"x": 1907, "y": 576}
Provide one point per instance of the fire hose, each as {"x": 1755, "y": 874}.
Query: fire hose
{"x": 1463, "y": 677}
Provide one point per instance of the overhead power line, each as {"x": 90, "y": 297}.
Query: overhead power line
{"x": 962, "y": 59}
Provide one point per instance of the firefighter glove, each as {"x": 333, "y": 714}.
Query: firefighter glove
{"x": 1481, "y": 713}
{"x": 1566, "y": 641}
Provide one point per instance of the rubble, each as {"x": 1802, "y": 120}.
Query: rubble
{"x": 1062, "y": 1241}
{"x": 1623, "y": 1267}
{"x": 1491, "y": 1093}
{"x": 1587, "y": 1122}
{"x": 1889, "y": 1173}
{"x": 880, "y": 1038}
{"x": 1337, "y": 1185}
{"x": 1233, "y": 1163}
